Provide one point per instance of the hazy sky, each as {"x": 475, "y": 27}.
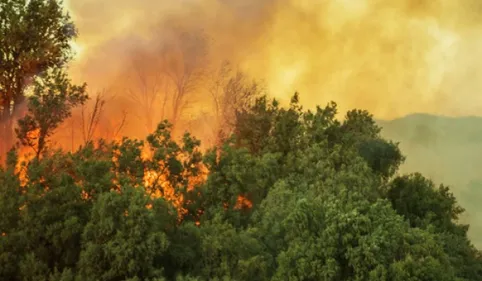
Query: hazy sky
{"x": 391, "y": 57}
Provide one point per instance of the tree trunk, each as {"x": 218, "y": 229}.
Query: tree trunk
{"x": 2, "y": 145}
{"x": 6, "y": 133}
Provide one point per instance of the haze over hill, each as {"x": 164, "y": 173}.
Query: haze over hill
{"x": 448, "y": 150}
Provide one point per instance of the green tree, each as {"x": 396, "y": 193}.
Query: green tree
{"x": 436, "y": 209}
{"x": 52, "y": 102}
{"x": 34, "y": 37}
{"x": 123, "y": 238}
{"x": 416, "y": 198}
{"x": 10, "y": 202}
{"x": 359, "y": 130}
{"x": 52, "y": 217}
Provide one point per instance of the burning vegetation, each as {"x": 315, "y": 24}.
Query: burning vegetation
{"x": 277, "y": 193}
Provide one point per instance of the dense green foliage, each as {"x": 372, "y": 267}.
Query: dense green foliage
{"x": 448, "y": 149}
{"x": 325, "y": 204}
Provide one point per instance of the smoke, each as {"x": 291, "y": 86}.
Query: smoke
{"x": 389, "y": 57}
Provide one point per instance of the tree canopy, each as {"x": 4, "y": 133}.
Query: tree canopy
{"x": 293, "y": 194}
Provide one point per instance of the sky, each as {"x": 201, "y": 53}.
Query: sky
{"x": 392, "y": 57}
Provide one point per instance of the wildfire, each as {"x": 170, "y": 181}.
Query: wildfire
{"x": 158, "y": 185}
{"x": 243, "y": 203}
{"x": 33, "y": 135}
{"x": 156, "y": 181}
{"x": 24, "y": 156}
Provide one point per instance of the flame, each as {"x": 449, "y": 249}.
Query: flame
{"x": 33, "y": 135}
{"x": 243, "y": 203}
{"x": 84, "y": 195}
{"x": 158, "y": 185}
{"x": 25, "y": 155}
{"x": 154, "y": 179}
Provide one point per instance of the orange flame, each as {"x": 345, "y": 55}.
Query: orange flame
{"x": 243, "y": 203}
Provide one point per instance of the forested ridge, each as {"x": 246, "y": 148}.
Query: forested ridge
{"x": 285, "y": 194}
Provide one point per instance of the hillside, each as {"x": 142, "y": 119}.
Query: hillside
{"x": 448, "y": 150}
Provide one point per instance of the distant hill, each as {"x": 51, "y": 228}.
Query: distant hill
{"x": 425, "y": 128}
{"x": 448, "y": 150}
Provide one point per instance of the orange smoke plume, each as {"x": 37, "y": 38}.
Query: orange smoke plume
{"x": 389, "y": 57}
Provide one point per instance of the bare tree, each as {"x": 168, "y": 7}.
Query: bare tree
{"x": 90, "y": 121}
{"x": 93, "y": 121}
{"x": 115, "y": 128}
{"x": 216, "y": 88}
{"x": 111, "y": 127}
{"x": 146, "y": 85}
{"x": 231, "y": 91}
{"x": 185, "y": 62}
{"x": 239, "y": 93}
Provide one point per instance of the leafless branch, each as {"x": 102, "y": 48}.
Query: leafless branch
{"x": 121, "y": 124}
{"x": 91, "y": 120}
{"x": 185, "y": 61}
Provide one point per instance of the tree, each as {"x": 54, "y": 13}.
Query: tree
{"x": 436, "y": 209}
{"x": 124, "y": 238}
{"x": 52, "y": 218}
{"x": 10, "y": 203}
{"x": 51, "y": 103}
{"x": 148, "y": 84}
{"x": 34, "y": 37}
{"x": 231, "y": 92}
{"x": 185, "y": 62}
{"x": 360, "y": 131}
{"x": 254, "y": 124}
{"x": 417, "y": 199}
{"x": 90, "y": 121}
